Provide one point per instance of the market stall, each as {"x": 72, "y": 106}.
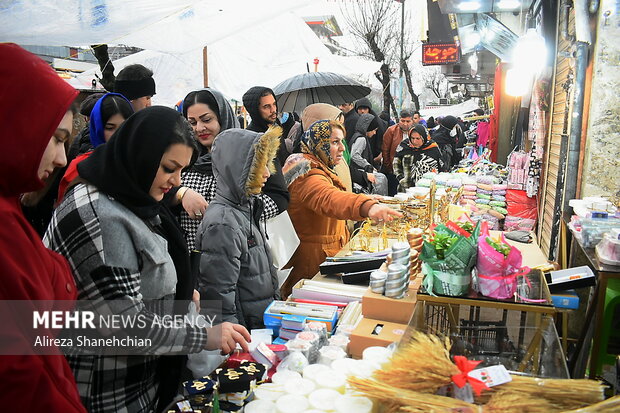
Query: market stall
{"x": 435, "y": 281}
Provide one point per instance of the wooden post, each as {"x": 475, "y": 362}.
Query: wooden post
{"x": 205, "y": 67}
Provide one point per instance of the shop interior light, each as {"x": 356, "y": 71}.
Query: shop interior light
{"x": 469, "y": 5}
{"x": 530, "y": 53}
{"x": 508, "y": 4}
{"x": 518, "y": 82}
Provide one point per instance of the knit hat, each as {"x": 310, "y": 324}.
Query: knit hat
{"x": 448, "y": 122}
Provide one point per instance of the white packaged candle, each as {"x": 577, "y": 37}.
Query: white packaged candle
{"x": 324, "y": 399}
{"x": 284, "y": 376}
{"x": 362, "y": 369}
{"x": 259, "y": 406}
{"x": 329, "y": 354}
{"x": 329, "y": 379}
{"x": 311, "y": 370}
{"x": 357, "y": 404}
{"x": 269, "y": 391}
{"x": 292, "y": 403}
{"x": 344, "y": 366}
{"x": 299, "y": 387}
{"x": 339, "y": 340}
{"x": 376, "y": 354}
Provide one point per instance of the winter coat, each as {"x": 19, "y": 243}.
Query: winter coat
{"x": 28, "y": 270}
{"x": 378, "y": 139}
{"x": 411, "y": 163}
{"x": 350, "y": 120}
{"x": 319, "y": 207}
{"x": 235, "y": 263}
{"x": 361, "y": 152}
{"x": 125, "y": 246}
{"x": 447, "y": 146}
{"x": 275, "y": 186}
{"x": 391, "y": 139}
{"x": 116, "y": 256}
{"x": 199, "y": 177}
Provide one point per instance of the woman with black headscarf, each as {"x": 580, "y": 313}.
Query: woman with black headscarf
{"x": 128, "y": 256}
{"x": 415, "y": 156}
{"x": 446, "y": 138}
{"x": 210, "y": 114}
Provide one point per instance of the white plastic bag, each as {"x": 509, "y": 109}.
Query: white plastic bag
{"x": 282, "y": 239}
{"x": 203, "y": 363}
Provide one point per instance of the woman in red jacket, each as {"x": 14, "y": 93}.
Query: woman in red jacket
{"x": 35, "y": 121}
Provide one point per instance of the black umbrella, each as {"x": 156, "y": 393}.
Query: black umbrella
{"x": 297, "y": 92}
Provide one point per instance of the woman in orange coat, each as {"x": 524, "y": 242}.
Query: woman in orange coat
{"x": 319, "y": 202}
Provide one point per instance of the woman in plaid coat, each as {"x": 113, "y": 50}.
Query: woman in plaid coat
{"x": 128, "y": 256}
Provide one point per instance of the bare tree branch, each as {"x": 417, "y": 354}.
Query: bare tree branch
{"x": 436, "y": 82}
{"x": 373, "y": 25}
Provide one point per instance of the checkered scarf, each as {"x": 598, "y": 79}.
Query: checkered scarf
{"x": 316, "y": 142}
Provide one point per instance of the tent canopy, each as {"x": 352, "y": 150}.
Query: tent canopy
{"x": 242, "y": 60}
{"x": 454, "y": 110}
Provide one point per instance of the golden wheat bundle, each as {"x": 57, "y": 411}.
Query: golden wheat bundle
{"x": 503, "y": 401}
{"x": 423, "y": 365}
{"x": 563, "y": 394}
{"x": 389, "y": 394}
{"x": 607, "y": 406}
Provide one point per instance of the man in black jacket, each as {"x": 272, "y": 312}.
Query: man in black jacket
{"x": 260, "y": 103}
{"x": 350, "y": 118}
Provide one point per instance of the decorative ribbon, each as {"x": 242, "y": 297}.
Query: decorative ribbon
{"x": 461, "y": 379}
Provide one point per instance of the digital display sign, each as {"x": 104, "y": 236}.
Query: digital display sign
{"x": 440, "y": 53}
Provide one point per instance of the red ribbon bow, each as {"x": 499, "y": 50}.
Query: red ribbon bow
{"x": 461, "y": 379}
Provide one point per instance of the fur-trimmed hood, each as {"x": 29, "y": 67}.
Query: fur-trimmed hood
{"x": 238, "y": 157}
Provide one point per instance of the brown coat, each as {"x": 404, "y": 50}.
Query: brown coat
{"x": 318, "y": 209}
{"x": 392, "y": 137}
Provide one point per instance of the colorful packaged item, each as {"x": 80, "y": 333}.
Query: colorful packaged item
{"x": 499, "y": 265}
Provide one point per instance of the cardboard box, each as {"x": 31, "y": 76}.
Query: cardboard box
{"x": 565, "y": 299}
{"x": 370, "y": 332}
{"x": 380, "y": 307}
{"x": 274, "y": 320}
{"x": 339, "y": 296}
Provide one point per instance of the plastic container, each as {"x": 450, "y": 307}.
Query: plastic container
{"x": 608, "y": 250}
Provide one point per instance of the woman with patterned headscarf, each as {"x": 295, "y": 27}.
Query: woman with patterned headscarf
{"x": 319, "y": 202}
